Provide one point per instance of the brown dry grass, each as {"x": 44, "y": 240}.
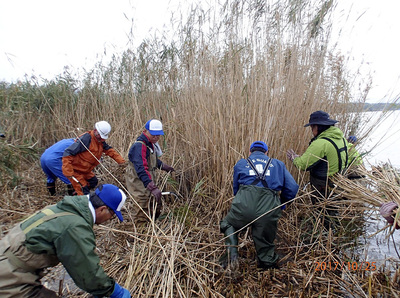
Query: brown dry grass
{"x": 178, "y": 255}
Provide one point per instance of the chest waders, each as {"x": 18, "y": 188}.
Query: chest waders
{"x": 21, "y": 269}
{"x": 136, "y": 187}
{"x": 250, "y": 203}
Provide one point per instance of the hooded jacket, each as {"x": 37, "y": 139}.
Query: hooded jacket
{"x": 69, "y": 239}
{"x": 77, "y": 157}
{"x": 321, "y": 156}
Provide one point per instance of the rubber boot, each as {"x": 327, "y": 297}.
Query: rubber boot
{"x": 231, "y": 242}
{"x": 52, "y": 188}
{"x": 70, "y": 190}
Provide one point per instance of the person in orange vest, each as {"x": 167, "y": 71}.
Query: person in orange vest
{"x": 80, "y": 158}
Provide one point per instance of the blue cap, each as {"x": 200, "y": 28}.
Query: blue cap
{"x": 321, "y": 118}
{"x": 259, "y": 144}
{"x": 113, "y": 197}
{"x": 154, "y": 127}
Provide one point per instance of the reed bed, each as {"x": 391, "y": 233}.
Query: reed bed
{"x": 233, "y": 73}
{"x": 177, "y": 255}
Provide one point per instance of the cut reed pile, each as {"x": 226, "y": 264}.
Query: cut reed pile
{"x": 232, "y": 74}
{"x": 380, "y": 185}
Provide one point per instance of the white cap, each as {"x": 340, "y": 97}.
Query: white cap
{"x": 154, "y": 127}
{"x": 103, "y": 128}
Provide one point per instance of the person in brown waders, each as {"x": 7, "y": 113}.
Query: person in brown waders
{"x": 141, "y": 171}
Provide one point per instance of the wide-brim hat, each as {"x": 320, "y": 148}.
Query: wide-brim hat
{"x": 320, "y": 118}
{"x": 154, "y": 127}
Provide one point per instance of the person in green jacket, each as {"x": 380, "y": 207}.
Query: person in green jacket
{"x": 61, "y": 233}
{"x": 326, "y": 155}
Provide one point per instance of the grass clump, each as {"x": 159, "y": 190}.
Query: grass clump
{"x": 12, "y": 157}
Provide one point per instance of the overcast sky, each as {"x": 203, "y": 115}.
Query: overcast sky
{"x": 40, "y": 37}
{"x": 368, "y": 37}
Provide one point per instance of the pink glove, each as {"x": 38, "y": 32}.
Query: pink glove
{"x": 291, "y": 154}
{"x": 386, "y": 211}
{"x": 167, "y": 168}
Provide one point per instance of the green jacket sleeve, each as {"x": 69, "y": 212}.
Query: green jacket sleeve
{"x": 75, "y": 250}
{"x": 354, "y": 156}
{"x": 314, "y": 153}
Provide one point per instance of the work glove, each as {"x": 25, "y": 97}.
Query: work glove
{"x": 155, "y": 191}
{"x": 167, "y": 168}
{"x": 283, "y": 201}
{"x": 86, "y": 190}
{"x": 291, "y": 154}
{"x": 386, "y": 211}
{"x": 120, "y": 292}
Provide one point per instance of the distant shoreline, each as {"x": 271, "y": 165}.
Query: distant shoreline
{"x": 381, "y": 107}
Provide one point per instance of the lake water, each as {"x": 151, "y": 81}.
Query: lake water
{"x": 384, "y": 139}
{"x": 384, "y": 143}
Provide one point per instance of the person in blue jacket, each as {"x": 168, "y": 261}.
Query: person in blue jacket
{"x": 51, "y": 162}
{"x": 260, "y": 185}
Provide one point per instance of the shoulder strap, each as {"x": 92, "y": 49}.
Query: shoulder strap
{"x": 49, "y": 214}
{"x": 339, "y": 152}
{"x": 151, "y": 150}
{"x": 260, "y": 177}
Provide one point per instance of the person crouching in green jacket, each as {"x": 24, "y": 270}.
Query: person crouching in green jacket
{"x": 61, "y": 233}
{"x": 326, "y": 155}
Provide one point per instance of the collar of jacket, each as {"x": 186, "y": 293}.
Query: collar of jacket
{"x": 143, "y": 138}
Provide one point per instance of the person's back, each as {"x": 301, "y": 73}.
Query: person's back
{"x": 256, "y": 184}
{"x": 277, "y": 176}
{"x": 51, "y": 163}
